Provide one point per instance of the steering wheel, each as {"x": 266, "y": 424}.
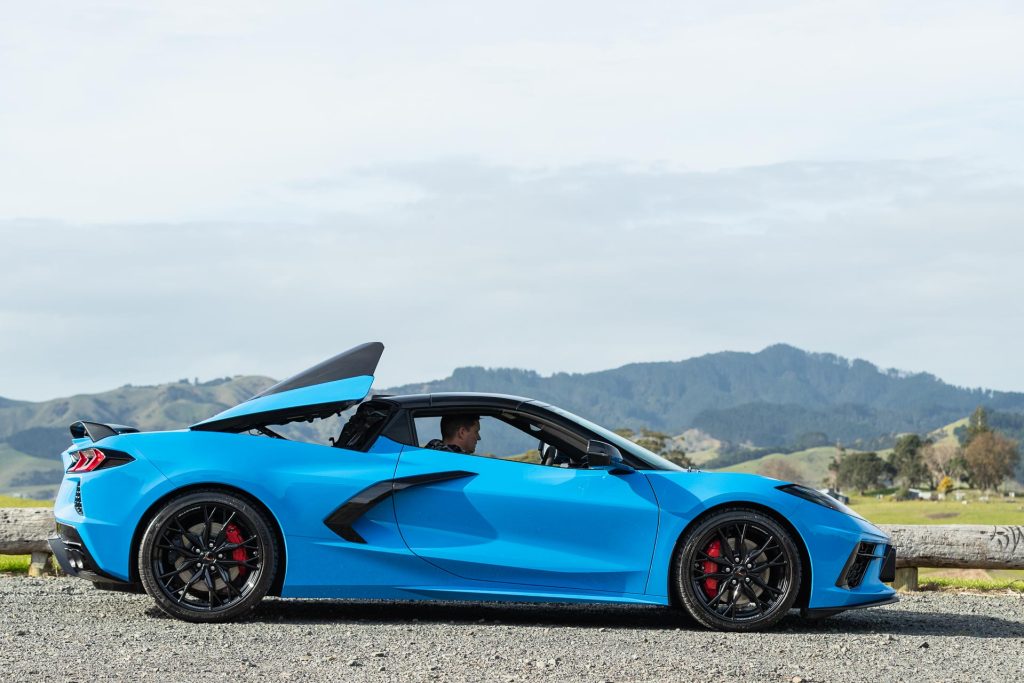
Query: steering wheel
{"x": 546, "y": 454}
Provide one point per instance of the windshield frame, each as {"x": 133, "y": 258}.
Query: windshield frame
{"x": 655, "y": 461}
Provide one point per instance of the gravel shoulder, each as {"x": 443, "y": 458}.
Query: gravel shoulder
{"x": 62, "y": 629}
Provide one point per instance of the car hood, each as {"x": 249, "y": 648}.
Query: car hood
{"x": 324, "y": 389}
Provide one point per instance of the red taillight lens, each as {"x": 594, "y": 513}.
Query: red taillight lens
{"x": 88, "y": 460}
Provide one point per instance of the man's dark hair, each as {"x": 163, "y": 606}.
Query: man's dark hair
{"x": 451, "y": 424}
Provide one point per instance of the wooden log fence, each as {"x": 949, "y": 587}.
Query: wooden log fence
{"x": 23, "y": 531}
{"x": 954, "y": 546}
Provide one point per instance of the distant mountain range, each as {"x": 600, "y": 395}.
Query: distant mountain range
{"x": 771, "y": 398}
{"x": 781, "y": 396}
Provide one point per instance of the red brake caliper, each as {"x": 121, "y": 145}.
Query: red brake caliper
{"x": 233, "y": 535}
{"x": 711, "y": 585}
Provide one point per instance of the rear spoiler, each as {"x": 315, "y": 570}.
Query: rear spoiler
{"x": 96, "y": 431}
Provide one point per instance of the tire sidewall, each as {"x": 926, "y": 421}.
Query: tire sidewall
{"x": 260, "y": 525}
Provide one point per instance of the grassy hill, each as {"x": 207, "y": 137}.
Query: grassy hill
{"x": 163, "y": 406}
{"x": 32, "y": 435}
{"x": 947, "y": 433}
{"x": 28, "y": 476}
{"x": 811, "y": 465}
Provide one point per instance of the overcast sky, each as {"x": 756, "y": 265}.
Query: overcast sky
{"x": 200, "y": 190}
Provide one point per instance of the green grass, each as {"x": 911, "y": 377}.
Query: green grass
{"x": 14, "y": 563}
{"x": 887, "y": 511}
{"x": 946, "y": 583}
{"x": 15, "y": 502}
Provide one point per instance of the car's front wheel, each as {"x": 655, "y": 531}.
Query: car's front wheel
{"x": 208, "y": 556}
{"x": 737, "y": 570}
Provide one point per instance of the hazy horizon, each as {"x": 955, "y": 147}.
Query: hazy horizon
{"x": 378, "y": 386}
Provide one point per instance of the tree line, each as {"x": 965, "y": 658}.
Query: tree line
{"x": 982, "y": 457}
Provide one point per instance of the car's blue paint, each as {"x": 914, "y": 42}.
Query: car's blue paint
{"x": 515, "y": 522}
{"x": 511, "y": 532}
{"x": 348, "y": 389}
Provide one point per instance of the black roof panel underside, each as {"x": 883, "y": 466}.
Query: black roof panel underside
{"x": 356, "y": 362}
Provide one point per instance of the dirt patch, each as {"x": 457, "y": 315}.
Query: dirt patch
{"x": 941, "y": 515}
{"x": 957, "y": 574}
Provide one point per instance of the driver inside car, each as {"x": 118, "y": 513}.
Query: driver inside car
{"x": 459, "y": 434}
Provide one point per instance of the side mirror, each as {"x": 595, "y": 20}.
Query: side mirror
{"x": 604, "y": 456}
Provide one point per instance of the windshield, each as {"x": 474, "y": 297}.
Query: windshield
{"x": 622, "y": 443}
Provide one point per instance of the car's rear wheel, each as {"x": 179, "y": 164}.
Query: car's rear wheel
{"x": 208, "y": 556}
{"x": 737, "y": 570}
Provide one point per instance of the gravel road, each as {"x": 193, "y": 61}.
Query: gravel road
{"x": 62, "y": 629}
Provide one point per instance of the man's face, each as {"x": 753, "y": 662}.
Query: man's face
{"x": 466, "y": 439}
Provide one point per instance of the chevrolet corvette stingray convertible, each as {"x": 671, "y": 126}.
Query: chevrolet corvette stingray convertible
{"x": 210, "y": 519}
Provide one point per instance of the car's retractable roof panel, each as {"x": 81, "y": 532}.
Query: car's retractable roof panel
{"x": 322, "y": 390}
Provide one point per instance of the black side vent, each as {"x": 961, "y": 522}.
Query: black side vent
{"x": 78, "y": 498}
{"x": 857, "y": 565}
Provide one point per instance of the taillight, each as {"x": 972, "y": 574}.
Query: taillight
{"x": 90, "y": 459}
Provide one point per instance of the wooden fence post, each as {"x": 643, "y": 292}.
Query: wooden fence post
{"x": 38, "y": 563}
{"x": 906, "y": 579}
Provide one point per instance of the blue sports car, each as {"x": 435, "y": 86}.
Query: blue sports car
{"x": 210, "y": 519}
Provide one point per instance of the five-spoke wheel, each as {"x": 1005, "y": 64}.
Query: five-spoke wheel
{"x": 208, "y": 556}
{"x": 737, "y": 570}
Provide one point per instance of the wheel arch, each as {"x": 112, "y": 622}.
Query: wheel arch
{"x": 152, "y": 510}
{"x": 803, "y": 596}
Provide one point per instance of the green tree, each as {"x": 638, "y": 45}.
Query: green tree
{"x": 908, "y": 462}
{"x": 657, "y": 442}
{"x": 977, "y": 424}
{"x": 861, "y": 471}
{"x": 990, "y": 457}
{"x": 652, "y": 440}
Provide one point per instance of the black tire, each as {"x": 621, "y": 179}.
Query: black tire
{"x": 737, "y": 570}
{"x": 207, "y": 556}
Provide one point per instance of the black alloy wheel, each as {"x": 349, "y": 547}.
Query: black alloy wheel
{"x": 208, "y": 556}
{"x": 737, "y": 570}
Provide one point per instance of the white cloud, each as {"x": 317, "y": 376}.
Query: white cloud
{"x": 115, "y": 111}
{"x": 909, "y": 264}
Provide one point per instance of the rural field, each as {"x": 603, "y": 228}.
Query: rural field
{"x": 970, "y": 511}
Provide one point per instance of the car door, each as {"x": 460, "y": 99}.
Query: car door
{"x": 520, "y": 523}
